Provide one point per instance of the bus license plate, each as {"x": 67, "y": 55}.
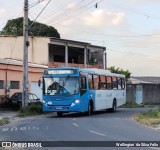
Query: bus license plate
{"x": 58, "y": 108}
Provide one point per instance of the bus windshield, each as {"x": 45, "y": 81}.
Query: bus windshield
{"x": 61, "y": 86}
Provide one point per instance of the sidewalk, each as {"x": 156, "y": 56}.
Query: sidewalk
{"x": 7, "y": 113}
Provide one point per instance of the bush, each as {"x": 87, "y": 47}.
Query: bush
{"x": 4, "y": 121}
{"x": 30, "y": 110}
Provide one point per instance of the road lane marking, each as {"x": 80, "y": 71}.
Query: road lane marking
{"x": 97, "y": 133}
{"x": 23, "y": 128}
{"x": 75, "y": 124}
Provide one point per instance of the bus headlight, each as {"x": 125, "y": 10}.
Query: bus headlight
{"x": 72, "y": 104}
{"x": 77, "y": 101}
{"x": 49, "y": 103}
{"x": 42, "y": 101}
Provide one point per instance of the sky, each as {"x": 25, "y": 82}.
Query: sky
{"x": 129, "y": 29}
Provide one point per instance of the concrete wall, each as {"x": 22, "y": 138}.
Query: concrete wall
{"x": 12, "y": 47}
{"x": 131, "y": 93}
{"x": 150, "y": 93}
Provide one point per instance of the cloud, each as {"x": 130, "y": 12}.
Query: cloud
{"x": 100, "y": 18}
{"x": 145, "y": 1}
{"x": 2, "y": 12}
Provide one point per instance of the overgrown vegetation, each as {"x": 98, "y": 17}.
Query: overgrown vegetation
{"x": 120, "y": 71}
{"x": 4, "y": 121}
{"x": 30, "y": 111}
{"x": 132, "y": 105}
{"x": 149, "y": 118}
{"x": 15, "y": 27}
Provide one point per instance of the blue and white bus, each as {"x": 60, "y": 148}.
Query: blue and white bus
{"x": 82, "y": 90}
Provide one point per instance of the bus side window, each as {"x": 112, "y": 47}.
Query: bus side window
{"x": 90, "y": 81}
{"x": 109, "y": 83}
{"x": 114, "y": 83}
{"x": 82, "y": 83}
{"x": 103, "y": 84}
{"x": 119, "y": 83}
{"x": 123, "y": 83}
{"x": 96, "y": 82}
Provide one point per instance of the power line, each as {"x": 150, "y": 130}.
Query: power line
{"x": 133, "y": 53}
{"x": 70, "y": 12}
{"x": 39, "y": 14}
{"x": 36, "y": 3}
{"x": 110, "y": 35}
{"x": 76, "y": 12}
{"x": 120, "y": 5}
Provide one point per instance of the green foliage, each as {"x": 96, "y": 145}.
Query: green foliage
{"x": 15, "y": 27}
{"x": 149, "y": 118}
{"x": 120, "y": 71}
{"x": 30, "y": 111}
{"x": 4, "y": 121}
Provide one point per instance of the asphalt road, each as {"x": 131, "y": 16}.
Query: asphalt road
{"x": 101, "y": 126}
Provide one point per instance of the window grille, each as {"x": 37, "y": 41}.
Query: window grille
{"x": 1, "y": 84}
{"x": 14, "y": 85}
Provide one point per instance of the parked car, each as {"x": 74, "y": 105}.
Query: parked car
{"x": 16, "y": 99}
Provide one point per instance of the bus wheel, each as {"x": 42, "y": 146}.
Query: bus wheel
{"x": 59, "y": 114}
{"x": 114, "y": 106}
{"x": 90, "y": 108}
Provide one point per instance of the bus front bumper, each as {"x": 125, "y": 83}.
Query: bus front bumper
{"x": 62, "y": 108}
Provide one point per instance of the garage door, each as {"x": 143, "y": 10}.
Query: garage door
{"x": 36, "y": 89}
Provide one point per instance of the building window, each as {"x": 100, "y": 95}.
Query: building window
{"x": 1, "y": 84}
{"x": 14, "y": 85}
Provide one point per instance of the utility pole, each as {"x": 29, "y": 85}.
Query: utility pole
{"x": 25, "y": 56}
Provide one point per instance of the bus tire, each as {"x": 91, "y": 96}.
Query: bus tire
{"x": 114, "y": 106}
{"x": 59, "y": 114}
{"x": 90, "y": 109}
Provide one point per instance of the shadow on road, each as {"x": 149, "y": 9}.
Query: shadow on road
{"x": 81, "y": 115}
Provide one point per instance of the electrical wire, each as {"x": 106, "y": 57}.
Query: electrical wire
{"x": 73, "y": 14}
{"x": 39, "y": 14}
{"x": 134, "y": 10}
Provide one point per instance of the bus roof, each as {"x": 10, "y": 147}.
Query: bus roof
{"x": 100, "y": 72}
{"x": 91, "y": 71}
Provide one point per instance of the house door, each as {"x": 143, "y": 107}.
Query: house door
{"x": 139, "y": 94}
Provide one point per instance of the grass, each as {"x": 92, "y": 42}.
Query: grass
{"x": 30, "y": 110}
{"x": 4, "y": 121}
{"x": 149, "y": 118}
{"x": 132, "y": 105}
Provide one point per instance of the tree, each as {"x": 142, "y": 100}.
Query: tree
{"x": 15, "y": 27}
{"x": 120, "y": 71}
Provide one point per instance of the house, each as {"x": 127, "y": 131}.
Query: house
{"x": 43, "y": 52}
